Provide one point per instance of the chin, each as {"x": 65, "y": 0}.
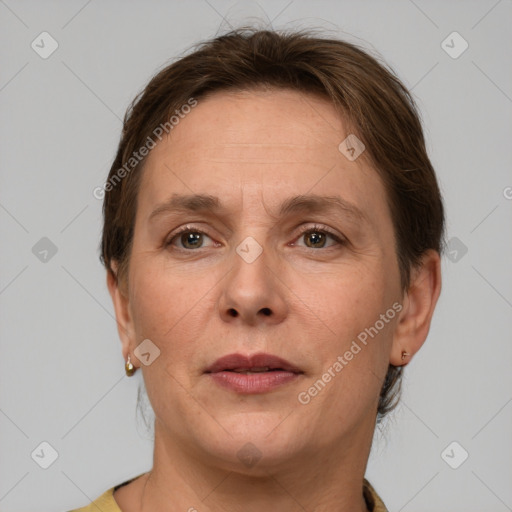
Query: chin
{"x": 258, "y": 443}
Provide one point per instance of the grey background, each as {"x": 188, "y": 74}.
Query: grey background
{"x": 61, "y": 370}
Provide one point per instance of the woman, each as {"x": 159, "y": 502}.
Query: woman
{"x": 272, "y": 237}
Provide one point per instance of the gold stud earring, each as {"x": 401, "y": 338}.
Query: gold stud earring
{"x": 405, "y": 354}
{"x": 129, "y": 368}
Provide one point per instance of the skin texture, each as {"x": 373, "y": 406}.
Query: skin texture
{"x": 302, "y": 299}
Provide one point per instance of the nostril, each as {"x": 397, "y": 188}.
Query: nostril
{"x": 233, "y": 312}
{"x": 266, "y": 311}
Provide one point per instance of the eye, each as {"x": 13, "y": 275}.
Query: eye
{"x": 188, "y": 238}
{"x": 317, "y": 236}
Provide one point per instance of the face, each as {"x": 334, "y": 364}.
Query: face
{"x": 253, "y": 268}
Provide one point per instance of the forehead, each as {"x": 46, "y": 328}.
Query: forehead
{"x": 261, "y": 144}
{"x": 262, "y": 126}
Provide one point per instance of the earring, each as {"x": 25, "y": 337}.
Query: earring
{"x": 405, "y": 354}
{"x": 129, "y": 368}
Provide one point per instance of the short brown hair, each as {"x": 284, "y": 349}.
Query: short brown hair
{"x": 372, "y": 101}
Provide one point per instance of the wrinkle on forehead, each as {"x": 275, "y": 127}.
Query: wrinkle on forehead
{"x": 317, "y": 116}
{"x": 259, "y": 126}
{"x": 262, "y": 153}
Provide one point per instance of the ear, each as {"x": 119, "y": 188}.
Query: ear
{"x": 125, "y": 326}
{"x": 419, "y": 303}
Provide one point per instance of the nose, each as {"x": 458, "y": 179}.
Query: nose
{"x": 253, "y": 293}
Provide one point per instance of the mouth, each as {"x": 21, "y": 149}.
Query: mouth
{"x": 256, "y": 374}
{"x": 253, "y": 371}
{"x": 255, "y": 364}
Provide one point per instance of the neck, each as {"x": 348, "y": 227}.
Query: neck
{"x": 322, "y": 480}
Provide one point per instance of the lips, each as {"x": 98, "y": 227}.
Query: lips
{"x": 257, "y": 363}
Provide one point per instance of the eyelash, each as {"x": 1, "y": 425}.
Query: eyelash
{"x": 314, "y": 229}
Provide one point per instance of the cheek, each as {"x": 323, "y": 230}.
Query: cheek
{"x": 163, "y": 298}
{"x": 172, "y": 309}
{"x": 165, "y": 308}
{"x": 348, "y": 301}
{"x": 356, "y": 340}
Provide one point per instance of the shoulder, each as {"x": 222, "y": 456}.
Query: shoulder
{"x": 105, "y": 503}
{"x": 373, "y": 501}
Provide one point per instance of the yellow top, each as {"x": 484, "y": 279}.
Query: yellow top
{"x": 107, "y": 503}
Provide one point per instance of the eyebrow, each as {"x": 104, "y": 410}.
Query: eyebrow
{"x": 298, "y": 204}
